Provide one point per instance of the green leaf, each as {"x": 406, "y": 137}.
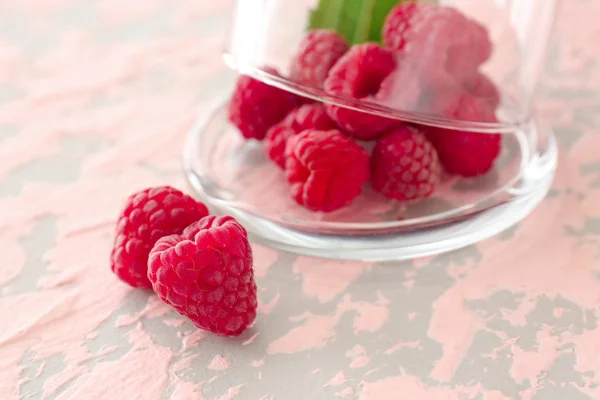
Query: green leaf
{"x": 358, "y": 21}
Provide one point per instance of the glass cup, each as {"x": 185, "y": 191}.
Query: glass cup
{"x": 489, "y": 51}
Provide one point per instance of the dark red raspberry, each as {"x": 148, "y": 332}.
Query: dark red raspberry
{"x": 256, "y": 106}
{"x": 359, "y": 75}
{"x": 404, "y": 165}
{"x": 206, "y": 275}
{"x": 326, "y": 169}
{"x": 149, "y": 215}
{"x": 317, "y": 53}
{"x": 308, "y": 116}
{"x": 467, "y": 153}
{"x": 437, "y": 36}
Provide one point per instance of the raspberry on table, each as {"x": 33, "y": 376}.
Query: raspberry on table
{"x": 307, "y": 116}
{"x": 467, "y": 153}
{"x": 326, "y": 170}
{"x": 437, "y": 36}
{"x": 358, "y": 75}
{"x": 317, "y": 53}
{"x": 206, "y": 275}
{"x": 149, "y": 215}
{"x": 256, "y": 106}
{"x": 404, "y": 165}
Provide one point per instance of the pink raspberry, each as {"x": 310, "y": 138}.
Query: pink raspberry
{"x": 317, "y": 53}
{"x": 147, "y": 216}
{"x": 326, "y": 170}
{"x": 484, "y": 89}
{"x": 206, "y": 275}
{"x": 444, "y": 97}
{"x": 467, "y": 153}
{"x": 308, "y": 116}
{"x": 398, "y": 23}
{"x": 404, "y": 165}
{"x": 255, "y": 106}
{"x": 437, "y": 36}
{"x": 358, "y": 75}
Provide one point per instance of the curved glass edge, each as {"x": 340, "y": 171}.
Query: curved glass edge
{"x": 535, "y": 169}
{"x": 380, "y": 110}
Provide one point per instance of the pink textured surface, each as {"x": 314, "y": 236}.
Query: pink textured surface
{"x": 95, "y": 100}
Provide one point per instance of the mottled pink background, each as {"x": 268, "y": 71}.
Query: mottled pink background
{"x": 95, "y": 101}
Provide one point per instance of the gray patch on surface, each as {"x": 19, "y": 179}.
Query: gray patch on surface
{"x": 161, "y": 333}
{"x": 35, "y": 245}
{"x": 108, "y": 335}
{"x": 33, "y": 387}
{"x": 62, "y": 167}
{"x": 479, "y": 366}
{"x": 561, "y": 382}
{"x": 8, "y": 93}
{"x": 592, "y": 168}
{"x": 567, "y": 136}
{"x": 569, "y": 320}
{"x": 8, "y": 131}
{"x": 568, "y": 392}
{"x": 591, "y": 225}
{"x": 16, "y": 29}
{"x": 509, "y": 233}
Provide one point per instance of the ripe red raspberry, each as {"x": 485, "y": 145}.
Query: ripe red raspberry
{"x": 255, "y": 106}
{"x": 404, "y": 165}
{"x": 308, "y": 116}
{"x": 149, "y": 215}
{"x": 275, "y": 142}
{"x": 206, "y": 275}
{"x": 326, "y": 169}
{"x": 437, "y": 36}
{"x": 317, "y": 53}
{"x": 359, "y": 75}
{"x": 467, "y": 153}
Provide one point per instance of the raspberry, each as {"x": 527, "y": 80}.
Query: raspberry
{"x": 326, "y": 169}
{"x": 256, "y": 106}
{"x": 398, "y": 23}
{"x": 206, "y": 275}
{"x": 275, "y": 142}
{"x": 404, "y": 165}
{"x": 359, "y": 75}
{"x": 149, "y": 215}
{"x": 467, "y": 153}
{"x": 308, "y": 116}
{"x": 437, "y": 36}
{"x": 483, "y": 88}
{"x": 317, "y": 53}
